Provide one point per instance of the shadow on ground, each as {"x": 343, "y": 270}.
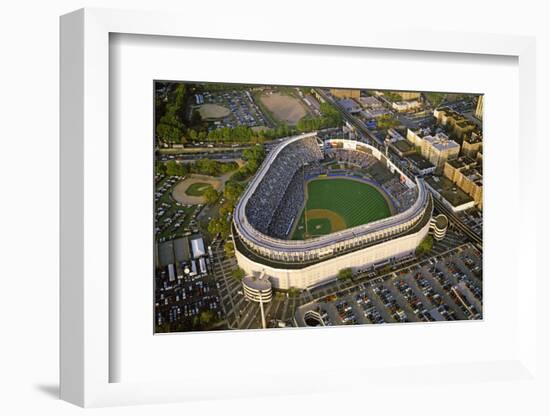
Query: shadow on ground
{"x": 51, "y": 390}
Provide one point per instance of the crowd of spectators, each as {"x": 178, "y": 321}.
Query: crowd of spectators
{"x": 263, "y": 203}
{"x": 403, "y": 196}
{"x": 289, "y": 207}
{"x": 353, "y": 157}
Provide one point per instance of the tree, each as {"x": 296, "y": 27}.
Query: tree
{"x": 392, "y": 96}
{"x": 227, "y": 167}
{"x": 170, "y": 127}
{"x": 240, "y": 134}
{"x": 387, "y": 121}
{"x": 206, "y": 167}
{"x": 254, "y": 157}
{"x": 293, "y": 292}
{"x": 211, "y": 195}
{"x": 226, "y": 209}
{"x": 192, "y": 134}
{"x": 180, "y": 94}
{"x": 240, "y": 175}
{"x": 254, "y": 153}
{"x": 160, "y": 168}
{"x": 425, "y": 246}
{"x": 233, "y": 191}
{"x": 345, "y": 274}
{"x": 169, "y": 133}
{"x": 196, "y": 119}
{"x": 174, "y": 168}
{"x": 217, "y": 226}
{"x": 207, "y": 317}
{"x": 238, "y": 274}
{"x": 229, "y": 249}
{"x": 330, "y": 117}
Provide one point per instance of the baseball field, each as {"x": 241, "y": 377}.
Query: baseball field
{"x": 213, "y": 111}
{"x": 197, "y": 188}
{"x": 285, "y": 108}
{"x": 334, "y": 204}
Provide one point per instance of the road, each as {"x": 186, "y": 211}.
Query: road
{"x": 219, "y": 156}
{"x": 228, "y": 285}
{"x": 455, "y": 220}
{"x": 359, "y": 125}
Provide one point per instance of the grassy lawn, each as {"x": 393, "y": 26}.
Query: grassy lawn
{"x": 435, "y": 97}
{"x": 319, "y": 226}
{"x": 355, "y": 202}
{"x": 197, "y": 189}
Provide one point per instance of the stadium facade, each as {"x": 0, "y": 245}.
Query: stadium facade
{"x": 274, "y": 197}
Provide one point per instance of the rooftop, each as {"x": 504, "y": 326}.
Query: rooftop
{"x": 458, "y": 118}
{"x": 370, "y": 101}
{"x": 441, "y": 142}
{"x": 260, "y": 284}
{"x": 461, "y": 162}
{"x": 403, "y": 146}
{"x": 441, "y": 221}
{"x": 473, "y": 175}
{"x": 473, "y": 138}
{"x": 349, "y": 104}
{"x": 420, "y": 162}
{"x": 449, "y": 190}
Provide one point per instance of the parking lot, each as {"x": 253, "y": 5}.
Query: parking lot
{"x": 172, "y": 219}
{"x": 447, "y": 287}
{"x": 188, "y": 299}
{"x": 473, "y": 218}
{"x": 243, "y": 111}
{"x": 240, "y": 313}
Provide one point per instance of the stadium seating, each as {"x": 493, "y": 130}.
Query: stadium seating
{"x": 271, "y": 190}
{"x": 401, "y": 195}
{"x": 280, "y": 195}
{"x": 289, "y": 207}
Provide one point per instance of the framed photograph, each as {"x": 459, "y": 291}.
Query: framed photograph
{"x": 295, "y": 206}
{"x": 328, "y": 210}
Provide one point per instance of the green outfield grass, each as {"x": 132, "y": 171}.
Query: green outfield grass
{"x": 197, "y": 188}
{"x": 336, "y": 203}
{"x": 319, "y": 225}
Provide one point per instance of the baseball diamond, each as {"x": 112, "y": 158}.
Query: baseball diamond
{"x": 343, "y": 202}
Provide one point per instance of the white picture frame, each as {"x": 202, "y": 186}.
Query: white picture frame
{"x": 85, "y": 258}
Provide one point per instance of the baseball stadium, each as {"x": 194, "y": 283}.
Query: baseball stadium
{"x": 315, "y": 207}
